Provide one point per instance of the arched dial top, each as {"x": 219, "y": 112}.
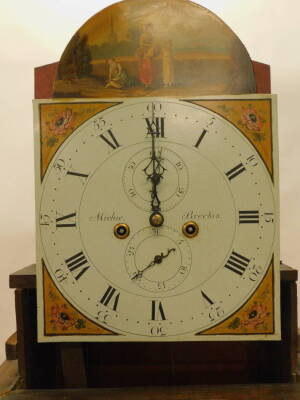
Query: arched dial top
{"x": 170, "y": 47}
{"x": 193, "y": 167}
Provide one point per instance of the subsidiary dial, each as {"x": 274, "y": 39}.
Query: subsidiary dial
{"x": 171, "y": 172}
{"x": 158, "y": 260}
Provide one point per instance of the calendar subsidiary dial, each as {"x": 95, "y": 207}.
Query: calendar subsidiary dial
{"x": 157, "y": 219}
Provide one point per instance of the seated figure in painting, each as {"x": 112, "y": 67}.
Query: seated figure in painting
{"x": 117, "y": 75}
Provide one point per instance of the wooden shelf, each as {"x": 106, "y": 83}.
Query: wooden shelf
{"x": 227, "y": 392}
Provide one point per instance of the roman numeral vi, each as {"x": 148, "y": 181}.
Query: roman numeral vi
{"x": 157, "y": 311}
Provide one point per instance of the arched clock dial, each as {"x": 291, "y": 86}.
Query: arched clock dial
{"x": 213, "y": 246}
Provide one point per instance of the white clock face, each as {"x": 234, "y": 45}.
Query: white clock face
{"x": 189, "y": 166}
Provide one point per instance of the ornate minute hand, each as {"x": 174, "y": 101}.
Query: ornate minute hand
{"x": 157, "y": 260}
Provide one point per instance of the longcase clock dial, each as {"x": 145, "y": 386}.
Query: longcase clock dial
{"x": 157, "y": 219}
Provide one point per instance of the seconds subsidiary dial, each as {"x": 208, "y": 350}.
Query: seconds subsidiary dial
{"x": 161, "y": 215}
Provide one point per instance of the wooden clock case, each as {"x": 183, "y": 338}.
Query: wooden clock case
{"x": 74, "y": 365}
{"x": 57, "y": 365}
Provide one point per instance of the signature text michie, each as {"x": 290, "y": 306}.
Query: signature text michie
{"x": 106, "y": 217}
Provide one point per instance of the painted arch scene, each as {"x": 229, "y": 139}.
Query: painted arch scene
{"x": 154, "y": 48}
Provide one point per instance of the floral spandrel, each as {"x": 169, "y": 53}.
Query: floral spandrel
{"x": 59, "y": 126}
{"x": 63, "y": 319}
{"x": 252, "y": 119}
{"x": 252, "y": 319}
{"x": 61, "y": 122}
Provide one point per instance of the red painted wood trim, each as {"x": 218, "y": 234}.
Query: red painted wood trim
{"x": 262, "y": 74}
{"x": 44, "y": 78}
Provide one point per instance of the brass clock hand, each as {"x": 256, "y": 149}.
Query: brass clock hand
{"x": 157, "y": 260}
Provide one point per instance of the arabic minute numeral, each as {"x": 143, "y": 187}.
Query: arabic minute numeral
{"x": 269, "y": 217}
{"x": 161, "y": 285}
{"x": 182, "y": 270}
{"x": 180, "y": 192}
{"x": 216, "y": 313}
{"x": 154, "y": 108}
{"x": 132, "y": 165}
{"x": 131, "y": 251}
{"x": 155, "y": 231}
{"x": 158, "y": 331}
{"x": 252, "y": 160}
{"x": 59, "y": 165}
{"x": 179, "y": 165}
{"x": 99, "y": 124}
{"x": 255, "y": 272}
{"x": 60, "y": 275}
{"x": 103, "y": 317}
{"x": 45, "y": 220}
{"x": 131, "y": 192}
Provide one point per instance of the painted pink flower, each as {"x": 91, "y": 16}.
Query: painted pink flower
{"x": 251, "y": 120}
{"x": 255, "y": 316}
{"x": 61, "y": 317}
{"x": 61, "y": 122}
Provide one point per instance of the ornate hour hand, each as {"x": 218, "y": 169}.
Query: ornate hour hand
{"x": 154, "y": 172}
{"x": 158, "y": 259}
